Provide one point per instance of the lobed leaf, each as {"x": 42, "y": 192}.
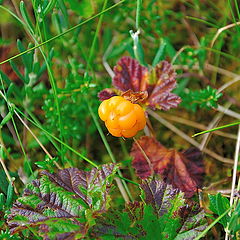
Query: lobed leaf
{"x": 184, "y": 170}
{"x": 156, "y": 85}
{"x": 63, "y": 205}
{"x": 129, "y": 74}
{"x": 164, "y": 215}
{"x": 106, "y": 94}
{"x": 164, "y": 81}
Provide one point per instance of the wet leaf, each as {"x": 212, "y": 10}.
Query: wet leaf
{"x": 165, "y": 214}
{"x": 184, "y": 170}
{"x": 129, "y": 74}
{"x": 63, "y": 205}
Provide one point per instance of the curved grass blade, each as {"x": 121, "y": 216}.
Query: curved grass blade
{"x": 217, "y": 128}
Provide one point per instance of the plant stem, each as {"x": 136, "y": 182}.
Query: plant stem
{"x": 145, "y": 156}
{"x": 138, "y": 15}
{"x": 202, "y": 234}
{"x": 234, "y": 176}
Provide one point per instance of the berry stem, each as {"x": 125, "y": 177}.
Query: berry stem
{"x": 145, "y": 155}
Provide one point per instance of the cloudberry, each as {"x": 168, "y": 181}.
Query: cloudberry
{"x": 122, "y": 118}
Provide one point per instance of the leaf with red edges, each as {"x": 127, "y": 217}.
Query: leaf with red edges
{"x": 63, "y": 205}
{"x": 184, "y": 170}
{"x": 160, "y": 95}
{"x": 106, "y": 94}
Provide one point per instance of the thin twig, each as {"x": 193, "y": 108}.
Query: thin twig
{"x": 213, "y": 123}
{"x": 188, "y": 139}
{"x": 104, "y": 59}
{"x": 200, "y": 126}
{"x": 178, "y": 53}
{"x": 228, "y": 84}
{"x": 228, "y": 112}
{"x": 234, "y": 176}
{"x": 220, "y": 30}
{"x": 145, "y": 156}
{"x": 35, "y": 137}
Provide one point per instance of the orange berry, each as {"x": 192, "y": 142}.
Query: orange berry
{"x": 103, "y": 110}
{"x": 122, "y": 118}
{"x": 128, "y": 133}
{"x": 112, "y": 120}
{"x": 141, "y": 119}
{"x": 127, "y": 121}
{"x": 124, "y": 107}
{"x": 115, "y": 132}
{"x": 115, "y": 101}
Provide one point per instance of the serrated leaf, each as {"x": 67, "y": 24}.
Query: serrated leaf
{"x": 218, "y": 205}
{"x": 106, "y": 94}
{"x": 184, "y": 170}
{"x": 174, "y": 219}
{"x": 163, "y": 82}
{"x": 62, "y": 205}
{"x": 158, "y": 83}
{"x": 129, "y": 74}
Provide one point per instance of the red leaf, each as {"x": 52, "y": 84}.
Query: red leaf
{"x": 159, "y": 92}
{"x": 129, "y": 74}
{"x": 106, "y": 94}
{"x": 183, "y": 170}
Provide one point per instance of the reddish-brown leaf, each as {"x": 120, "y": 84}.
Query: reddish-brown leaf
{"x": 106, "y": 94}
{"x": 164, "y": 82}
{"x": 184, "y": 170}
{"x": 129, "y": 74}
{"x": 158, "y": 83}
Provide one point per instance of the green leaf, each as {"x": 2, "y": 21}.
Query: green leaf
{"x": 9, "y": 194}
{"x": 218, "y": 205}
{"x": 137, "y": 48}
{"x": 16, "y": 70}
{"x": 63, "y": 204}
{"x": 26, "y": 17}
{"x": 49, "y": 7}
{"x": 3, "y": 181}
{"x": 205, "y": 98}
{"x": 2, "y": 201}
{"x": 165, "y": 214}
{"x": 27, "y": 60}
{"x": 84, "y": 8}
{"x": 160, "y": 55}
{"x": 234, "y": 222}
{"x": 7, "y": 118}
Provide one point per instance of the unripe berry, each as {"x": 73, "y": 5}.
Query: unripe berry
{"x": 122, "y": 118}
